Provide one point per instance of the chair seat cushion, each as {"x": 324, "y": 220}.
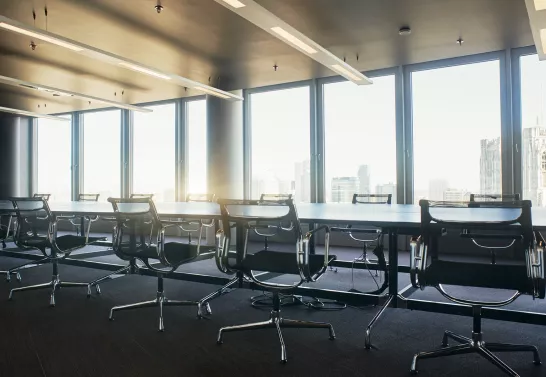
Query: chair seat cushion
{"x": 280, "y": 262}
{"x": 175, "y": 252}
{"x": 500, "y": 276}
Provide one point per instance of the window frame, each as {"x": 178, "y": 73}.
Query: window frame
{"x": 506, "y": 126}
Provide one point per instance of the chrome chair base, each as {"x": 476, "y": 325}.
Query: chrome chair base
{"x": 276, "y": 321}
{"x": 124, "y": 271}
{"x": 222, "y": 291}
{"x": 31, "y": 264}
{"x": 162, "y": 301}
{"x": 367, "y": 338}
{"x": 476, "y": 345}
{"x": 54, "y": 285}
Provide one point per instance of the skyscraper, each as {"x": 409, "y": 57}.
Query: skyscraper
{"x": 436, "y": 188}
{"x": 343, "y": 189}
{"x": 364, "y": 178}
{"x": 302, "y": 183}
{"x": 490, "y": 166}
{"x": 534, "y": 164}
{"x": 389, "y": 188}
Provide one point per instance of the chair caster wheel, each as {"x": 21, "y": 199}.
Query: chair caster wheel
{"x": 18, "y": 277}
{"x": 219, "y": 342}
{"x": 283, "y": 362}
{"x": 413, "y": 372}
{"x": 537, "y": 362}
{"x": 334, "y": 338}
{"x": 97, "y": 289}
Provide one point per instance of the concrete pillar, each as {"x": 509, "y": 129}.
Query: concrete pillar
{"x": 225, "y": 147}
{"x": 15, "y": 156}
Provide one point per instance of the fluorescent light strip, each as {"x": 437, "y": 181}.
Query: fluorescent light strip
{"x": 48, "y": 89}
{"x": 540, "y": 4}
{"x": 293, "y": 40}
{"x": 42, "y": 37}
{"x": 234, "y": 3}
{"x": 345, "y": 72}
{"x": 31, "y": 114}
{"x": 211, "y": 92}
{"x": 110, "y": 58}
{"x": 264, "y": 19}
{"x": 144, "y": 70}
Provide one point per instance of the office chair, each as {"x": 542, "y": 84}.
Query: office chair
{"x": 136, "y": 219}
{"x": 509, "y": 222}
{"x": 493, "y": 198}
{"x": 42, "y": 196}
{"x": 6, "y": 231}
{"x": 198, "y": 225}
{"x": 132, "y": 267}
{"x": 271, "y": 230}
{"x": 372, "y": 238}
{"x": 246, "y": 215}
{"x": 32, "y": 215}
{"x": 90, "y": 219}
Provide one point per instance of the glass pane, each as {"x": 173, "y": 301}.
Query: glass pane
{"x": 456, "y": 131}
{"x": 533, "y": 97}
{"x": 101, "y": 153}
{"x": 360, "y": 139}
{"x": 281, "y": 143}
{"x": 154, "y": 155}
{"x": 55, "y": 158}
{"x": 197, "y": 147}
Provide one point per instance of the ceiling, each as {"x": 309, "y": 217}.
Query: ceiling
{"x": 205, "y": 42}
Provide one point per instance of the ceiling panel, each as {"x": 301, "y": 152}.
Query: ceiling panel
{"x": 206, "y": 42}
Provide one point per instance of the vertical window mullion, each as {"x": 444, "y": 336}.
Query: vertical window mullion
{"x": 507, "y": 139}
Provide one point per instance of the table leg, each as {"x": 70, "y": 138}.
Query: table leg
{"x": 393, "y": 265}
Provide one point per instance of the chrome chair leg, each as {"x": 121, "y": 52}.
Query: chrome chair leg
{"x": 496, "y": 361}
{"x": 248, "y": 326}
{"x": 54, "y": 285}
{"x": 367, "y": 338}
{"x": 9, "y": 273}
{"x": 506, "y": 347}
{"x": 283, "y": 347}
{"x": 456, "y": 337}
{"x": 292, "y": 323}
{"x": 224, "y": 290}
{"x": 143, "y": 304}
{"x": 112, "y": 276}
{"x": 448, "y": 351}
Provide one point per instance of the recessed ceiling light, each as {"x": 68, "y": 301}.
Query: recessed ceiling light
{"x": 31, "y": 114}
{"x": 208, "y": 91}
{"x": 293, "y": 40}
{"x": 404, "y": 30}
{"x": 540, "y": 4}
{"x": 234, "y": 3}
{"x": 264, "y": 19}
{"x": 144, "y": 70}
{"x": 40, "y": 36}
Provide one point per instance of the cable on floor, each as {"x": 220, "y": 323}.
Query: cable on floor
{"x": 265, "y": 301}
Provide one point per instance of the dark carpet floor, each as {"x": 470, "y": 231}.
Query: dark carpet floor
{"x": 76, "y": 339}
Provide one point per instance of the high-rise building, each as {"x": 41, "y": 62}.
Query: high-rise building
{"x": 364, "y": 179}
{"x": 343, "y": 189}
{"x": 436, "y": 188}
{"x": 302, "y": 183}
{"x": 490, "y": 166}
{"x": 456, "y": 195}
{"x": 534, "y": 164}
{"x": 389, "y": 188}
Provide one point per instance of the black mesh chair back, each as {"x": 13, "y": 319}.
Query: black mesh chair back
{"x": 34, "y": 223}
{"x": 268, "y": 228}
{"x": 251, "y": 214}
{"x": 208, "y": 198}
{"x": 372, "y": 198}
{"x": 478, "y": 223}
{"x": 494, "y": 197}
{"x": 88, "y": 197}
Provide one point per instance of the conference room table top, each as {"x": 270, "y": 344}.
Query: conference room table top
{"x": 383, "y": 215}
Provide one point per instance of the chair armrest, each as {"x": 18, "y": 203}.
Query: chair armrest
{"x": 534, "y": 260}
{"x": 303, "y": 254}
{"x": 222, "y": 252}
{"x": 349, "y": 230}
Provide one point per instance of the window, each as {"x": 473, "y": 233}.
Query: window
{"x": 197, "y": 147}
{"x": 54, "y": 153}
{"x": 154, "y": 156}
{"x": 360, "y": 139}
{"x": 101, "y": 150}
{"x": 533, "y": 122}
{"x": 280, "y": 161}
{"x": 456, "y": 131}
